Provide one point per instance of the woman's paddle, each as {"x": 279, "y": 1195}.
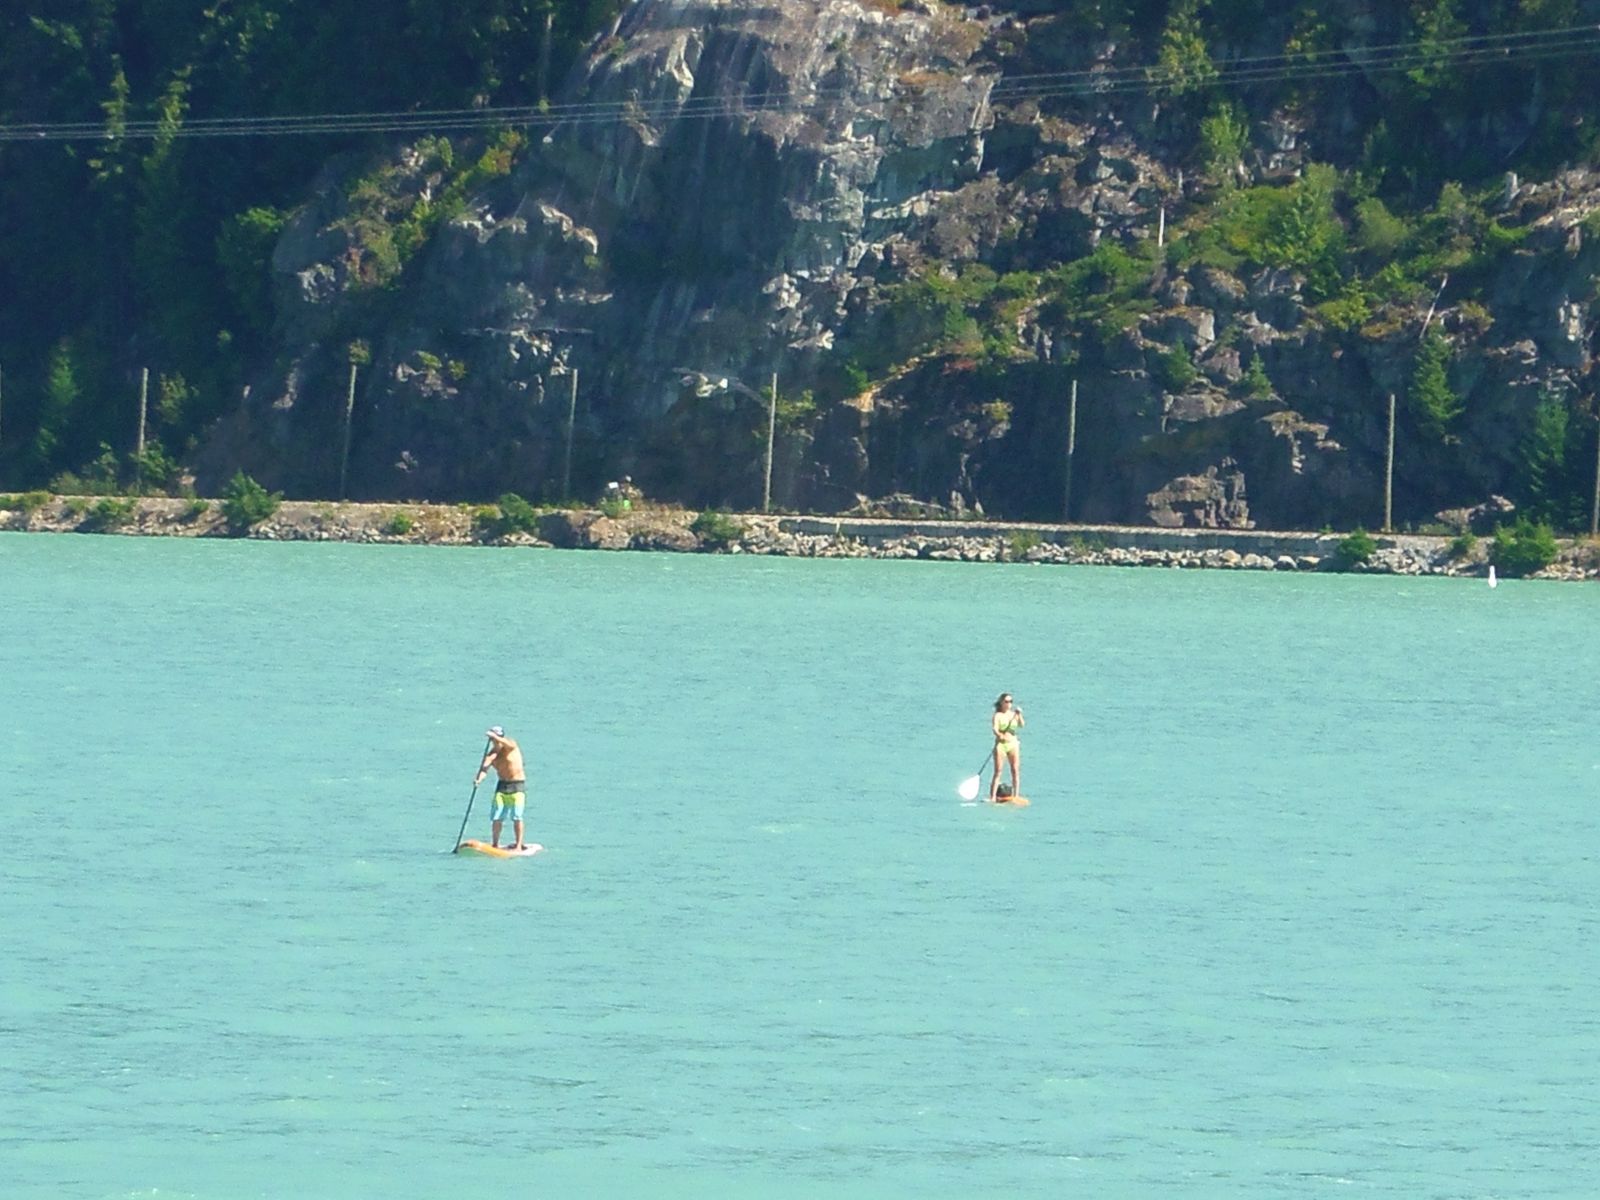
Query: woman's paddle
{"x": 969, "y": 787}
{"x": 466, "y": 815}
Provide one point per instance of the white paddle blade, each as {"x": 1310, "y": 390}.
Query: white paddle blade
{"x": 969, "y": 788}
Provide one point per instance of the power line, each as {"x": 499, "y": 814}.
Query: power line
{"x": 1443, "y": 47}
{"x": 1464, "y": 52}
{"x": 1310, "y": 72}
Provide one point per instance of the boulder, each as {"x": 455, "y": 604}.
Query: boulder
{"x": 1213, "y": 500}
{"x": 1481, "y": 518}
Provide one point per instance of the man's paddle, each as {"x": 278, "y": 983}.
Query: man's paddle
{"x": 466, "y": 815}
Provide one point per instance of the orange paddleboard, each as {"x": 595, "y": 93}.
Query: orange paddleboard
{"x": 477, "y": 847}
{"x": 1014, "y": 801}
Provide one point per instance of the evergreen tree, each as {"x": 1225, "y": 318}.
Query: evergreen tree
{"x": 1224, "y": 135}
{"x": 1434, "y": 402}
{"x": 1184, "y": 63}
{"x": 1549, "y": 487}
{"x": 1436, "y": 24}
{"x": 61, "y": 395}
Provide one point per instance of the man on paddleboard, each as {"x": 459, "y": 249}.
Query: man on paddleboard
{"x": 510, "y": 792}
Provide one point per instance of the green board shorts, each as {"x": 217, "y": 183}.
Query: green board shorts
{"x": 509, "y": 803}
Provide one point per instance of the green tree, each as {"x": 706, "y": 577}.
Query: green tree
{"x": 1435, "y": 404}
{"x": 1305, "y": 233}
{"x": 1526, "y": 547}
{"x": 244, "y": 254}
{"x": 246, "y": 503}
{"x": 1104, "y": 292}
{"x": 1379, "y": 233}
{"x": 1224, "y": 135}
{"x": 716, "y": 529}
{"x": 1549, "y": 487}
{"x": 61, "y": 396}
{"x": 1257, "y": 384}
{"x": 513, "y": 514}
{"x": 1183, "y": 63}
{"x": 165, "y": 217}
{"x": 1357, "y": 549}
{"x": 174, "y": 401}
{"x": 1175, "y": 369}
{"x": 111, "y": 168}
{"x": 1437, "y": 23}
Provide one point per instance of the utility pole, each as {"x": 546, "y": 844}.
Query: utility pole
{"x": 544, "y": 57}
{"x": 1594, "y": 513}
{"x": 1388, "y": 474}
{"x": 349, "y": 413}
{"x": 572, "y": 419}
{"x": 1072, "y": 448}
{"x": 144, "y": 409}
{"x": 772, "y": 430}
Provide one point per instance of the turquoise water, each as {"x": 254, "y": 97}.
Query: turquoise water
{"x": 1305, "y": 904}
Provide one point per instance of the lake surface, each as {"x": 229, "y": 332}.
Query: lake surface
{"x": 1306, "y": 903}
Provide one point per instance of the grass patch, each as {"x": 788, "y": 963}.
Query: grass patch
{"x": 32, "y": 502}
{"x": 716, "y": 529}
{"x": 399, "y": 524}
{"x": 111, "y": 512}
{"x": 27, "y": 503}
{"x": 1019, "y": 542}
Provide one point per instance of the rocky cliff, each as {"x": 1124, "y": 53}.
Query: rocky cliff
{"x": 872, "y": 203}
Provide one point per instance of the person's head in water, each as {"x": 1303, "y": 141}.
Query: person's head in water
{"x": 1004, "y": 791}
{"x": 1003, "y": 703}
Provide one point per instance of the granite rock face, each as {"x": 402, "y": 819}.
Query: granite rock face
{"x": 731, "y": 190}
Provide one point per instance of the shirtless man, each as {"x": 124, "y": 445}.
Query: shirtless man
{"x": 510, "y": 792}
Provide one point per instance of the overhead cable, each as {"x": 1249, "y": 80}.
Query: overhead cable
{"x": 1515, "y": 49}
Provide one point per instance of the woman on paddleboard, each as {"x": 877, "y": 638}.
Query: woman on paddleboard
{"x": 1007, "y": 748}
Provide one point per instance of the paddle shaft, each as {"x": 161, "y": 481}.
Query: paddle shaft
{"x": 466, "y": 816}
